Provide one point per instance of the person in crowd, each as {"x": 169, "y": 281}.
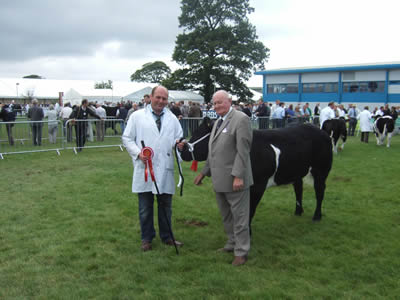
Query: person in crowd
{"x": 386, "y": 110}
{"x": 365, "y": 124}
{"x": 7, "y": 114}
{"x": 393, "y": 113}
{"x": 194, "y": 112}
{"x": 160, "y": 130}
{"x": 246, "y": 110}
{"x": 176, "y": 110}
{"x": 378, "y": 112}
{"x": 275, "y": 106}
{"x": 122, "y": 113}
{"x": 317, "y": 112}
{"x": 184, "y": 109}
{"x": 146, "y": 100}
{"x": 307, "y": 113}
{"x": 229, "y": 166}
{"x": 35, "y": 114}
{"x": 134, "y": 108}
{"x": 327, "y": 113}
{"x": 89, "y": 130}
{"x": 341, "y": 112}
{"x": 278, "y": 116}
{"x": 298, "y": 114}
{"x": 65, "y": 112}
{"x": 100, "y": 126}
{"x": 183, "y": 120}
{"x": 79, "y": 116}
{"x": 263, "y": 112}
{"x": 353, "y": 115}
{"x": 290, "y": 112}
{"x": 52, "y": 124}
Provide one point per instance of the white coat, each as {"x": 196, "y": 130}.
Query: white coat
{"x": 365, "y": 121}
{"x": 142, "y": 127}
{"x": 326, "y": 114}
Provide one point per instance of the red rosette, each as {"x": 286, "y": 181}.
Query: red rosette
{"x": 149, "y": 153}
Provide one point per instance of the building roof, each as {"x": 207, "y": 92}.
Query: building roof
{"x": 49, "y": 88}
{"x": 336, "y": 68}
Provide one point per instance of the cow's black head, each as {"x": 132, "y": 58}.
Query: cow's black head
{"x": 200, "y": 149}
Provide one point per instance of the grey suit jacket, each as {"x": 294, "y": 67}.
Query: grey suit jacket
{"x": 229, "y": 152}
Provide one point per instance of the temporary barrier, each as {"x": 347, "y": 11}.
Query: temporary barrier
{"x": 40, "y": 136}
{"x": 30, "y": 136}
{"x": 93, "y": 133}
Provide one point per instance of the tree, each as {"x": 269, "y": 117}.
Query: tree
{"x": 33, "y": 76}
{"x": 154, "y": 72}
{"x": 218, "y": 46}
{"x": 104, "y": 85}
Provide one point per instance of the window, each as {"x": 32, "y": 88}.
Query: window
{"x": 364, "y": 87}
{"x": 325, "y": 87}
{"x": 282, "y": 88}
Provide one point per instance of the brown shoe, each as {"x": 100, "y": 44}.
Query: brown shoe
{"x": 225, "y": 250}
{"x": 239, "y": 260}
{"x": 146, "y": 246}
{"x": 171, "y": 243}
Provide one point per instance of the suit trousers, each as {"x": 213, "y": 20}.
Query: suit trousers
{"x": 234, "y": 208}
{"x": 364, "y": 136}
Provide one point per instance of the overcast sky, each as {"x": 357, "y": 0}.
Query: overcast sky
{"x": 110, "y": 39}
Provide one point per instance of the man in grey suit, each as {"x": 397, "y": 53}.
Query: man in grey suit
{"x": 229, "y": 166}
{"x": 35, "y": 113}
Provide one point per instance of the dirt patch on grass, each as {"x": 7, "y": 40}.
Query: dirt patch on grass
{"x": 192, "y": 222}
{"x": 341, "y": 178}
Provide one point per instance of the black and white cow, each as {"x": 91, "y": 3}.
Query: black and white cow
{"x": 336, "y": 128}
{"x": 383, "y": 127}
{"x": 278, "y": 157}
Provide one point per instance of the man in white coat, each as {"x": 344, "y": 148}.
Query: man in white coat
{"x": 365, "y": 124}
{"x": 160, "y": 130}
{"x": 327, "y": 113}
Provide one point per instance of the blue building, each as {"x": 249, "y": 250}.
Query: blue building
{"x": 367, "y": 84}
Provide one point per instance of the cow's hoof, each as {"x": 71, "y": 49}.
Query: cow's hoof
{"x": 316, "y": 218}
{"x": 298, "y": 212}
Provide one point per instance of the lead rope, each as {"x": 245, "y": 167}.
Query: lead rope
{"x": 178, "y": 161}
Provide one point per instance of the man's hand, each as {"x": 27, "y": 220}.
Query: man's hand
{"x": 143, "y": 158}
{"x": 198, "y": 179}
{"x": 238, "y": 184}
{"x": 181, "y": 144}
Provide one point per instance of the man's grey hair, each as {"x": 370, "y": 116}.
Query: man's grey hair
{"x": 35, "y": 101}
{"x": 225, "y": 94}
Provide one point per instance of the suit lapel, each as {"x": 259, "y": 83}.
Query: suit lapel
{"x": 223, "y": 125}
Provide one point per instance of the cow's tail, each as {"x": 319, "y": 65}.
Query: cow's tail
{"x": 384, "y": 130}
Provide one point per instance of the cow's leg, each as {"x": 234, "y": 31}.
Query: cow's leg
{"x": 256, "y": 193}
{"x": 298, "y": 190}
{"x": 344, "y": 138}
{"x": 378, "y": 139}
{"x": 334, "y": 145}
{"x": 319, "y": 187}
{"x": 389, "y": 137}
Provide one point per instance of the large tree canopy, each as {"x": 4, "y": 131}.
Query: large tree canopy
{"x": 33, "y": 76}
{"x": 104, "y": 85}
{"x": 218, "y": 46}
{"x": 154, "y": 72}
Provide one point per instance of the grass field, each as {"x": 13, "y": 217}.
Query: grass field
{"x": 69, "y": 230}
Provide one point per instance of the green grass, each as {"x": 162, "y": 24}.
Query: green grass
{"x": 69, "y": 229}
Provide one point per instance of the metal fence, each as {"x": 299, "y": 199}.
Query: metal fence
{"x": 40, "y": 136}
{"x": 191, "y": 124}
{"x": 29, "y": 136}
